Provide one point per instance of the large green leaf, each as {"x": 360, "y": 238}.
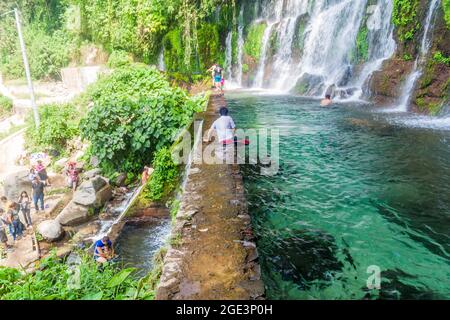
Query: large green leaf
{"x": 120, "y": 277}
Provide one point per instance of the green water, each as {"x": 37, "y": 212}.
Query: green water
{"x": 352, "y": 191}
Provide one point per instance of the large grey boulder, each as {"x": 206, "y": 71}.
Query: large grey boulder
{"x": 73, "y": 215}
{"x": 92, "y": 173}
{"x": 15, "y": 183}
{"x": 50, "y": 230}
{"x": 309, "y": 85}
{"x": 93, "y": 193}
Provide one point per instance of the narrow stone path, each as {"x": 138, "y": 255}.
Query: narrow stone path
{"x": 216, "y": 258}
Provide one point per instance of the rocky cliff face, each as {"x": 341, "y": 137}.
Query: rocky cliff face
{"x": 430, "y": 93}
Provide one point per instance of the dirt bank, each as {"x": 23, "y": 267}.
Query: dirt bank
{"x": 212, "y": 255}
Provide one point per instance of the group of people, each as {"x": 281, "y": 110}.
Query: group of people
{"x": 16, "y": 216}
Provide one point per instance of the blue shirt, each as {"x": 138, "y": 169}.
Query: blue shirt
{"x": 100, "y": 244}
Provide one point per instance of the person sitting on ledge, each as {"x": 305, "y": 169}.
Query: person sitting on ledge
{"x": 327, "y": 101}
{"x": 103, "y": 250}
{"x": 224, "y": 126}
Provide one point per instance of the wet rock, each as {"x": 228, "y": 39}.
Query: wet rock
{"x": 93, "y": 193}
{"x": 92, "y": 173}
{"x": 309, "y": 84}
{"x": 73, "y": 259}
{"x": 73, "y": 214}
{"x": 120, "y": 180}
{"x": 50, "y": 230}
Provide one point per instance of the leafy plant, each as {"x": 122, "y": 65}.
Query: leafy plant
{"x": 440, "y": 58}
{"x": 59, "y": 124}
{"x": 119, "y": 58}
{"x": 164, "y": 177}
{"x": 135, "y": 112}
{"x": 405, "y": 18}
{"x": 56, "y": 280}
{"x": 6, "y": 105}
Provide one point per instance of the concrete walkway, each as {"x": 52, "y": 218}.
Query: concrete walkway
{"x": 213, "y": 256}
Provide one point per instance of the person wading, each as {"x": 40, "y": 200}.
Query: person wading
{"x": 327, "y": 101}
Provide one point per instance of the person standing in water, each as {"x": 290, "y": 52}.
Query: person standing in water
{"x": 327, "y": 101}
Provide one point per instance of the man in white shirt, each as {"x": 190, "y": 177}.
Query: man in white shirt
{"x": 224, "y": 127}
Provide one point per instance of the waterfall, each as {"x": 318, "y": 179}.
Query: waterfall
{"x": 313, "y": 41}
{"x": 259, "y": 78}
{"x": 240, "y": 50}
{"x": 161, "y": 63}
{"x": 228, "y": 57}
{"x": 408, "y": 87}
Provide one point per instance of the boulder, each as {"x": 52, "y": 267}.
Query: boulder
{"x": 92, "y": 173}
{"x": 15, "y": 183}
{"x": 120, "y": 180}
{"x": 93, "y": 193}
{"x": 73, "y": 215}
{"x": 309, "y": 85}
{"x": 50, "y": 230}
{"x": 62, "y": 162}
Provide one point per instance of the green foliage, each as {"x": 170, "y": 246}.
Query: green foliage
{"x": 440, "y": 58}
{"x": 59, "y": 124}
{"x": 51, "y": 282}
{"x": 407, "y": 57}
{"x": 446, "y": 7}
{"x": 6, "y": 105}
{"x": 119, "y": 58}
{"x": 252, "y": 46}
{"x": 165, "y": 176}
{"x": 405, "y": 18}
{"x": 135, "y": 112}
{"x": 49, "y": 46}
{"x": 362, "y": 44}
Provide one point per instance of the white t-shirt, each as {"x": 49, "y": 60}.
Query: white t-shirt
{"x": 224, "y": 126}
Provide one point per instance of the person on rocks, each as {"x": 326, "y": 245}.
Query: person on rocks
{"x": 25, "y": 204}
{"x": 38, "y": 193}
{"x": 103, "y": 250}
{"x": 32, "y": 174}
{"x": 327, "y": 101}
{"x": 5, "y": 203}
{"x": 72, "y": 176}
{"x": 145, "y": 175}
{"x": 224, "y": 127}
{"x": 3, "y": 236}
{"x": 15, "y": 226}
{"x": 42, "y": 173}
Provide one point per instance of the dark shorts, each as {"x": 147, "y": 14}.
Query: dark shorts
{"x": 3, "y": 237}
{"x": 217, "y": 79}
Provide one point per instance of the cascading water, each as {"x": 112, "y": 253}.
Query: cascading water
{"x": 228, "y": 57}
{"x": 161, "y": 63}
{"x": 240, "y": 50}
{"x": 415, "y": 74}
{"x": 326, "y": 31}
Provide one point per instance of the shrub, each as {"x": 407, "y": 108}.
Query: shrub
{"x": 54, "y": 280}
{"x": 119, "y": 58}
{"x": 405, "y": 18}
{"x": 135, "y": 112}
{"x": 440, "y": 58}
{"x": 6, "y": 105}
{"x": 163, "y": 179}
{"x": 59, "y": 124}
